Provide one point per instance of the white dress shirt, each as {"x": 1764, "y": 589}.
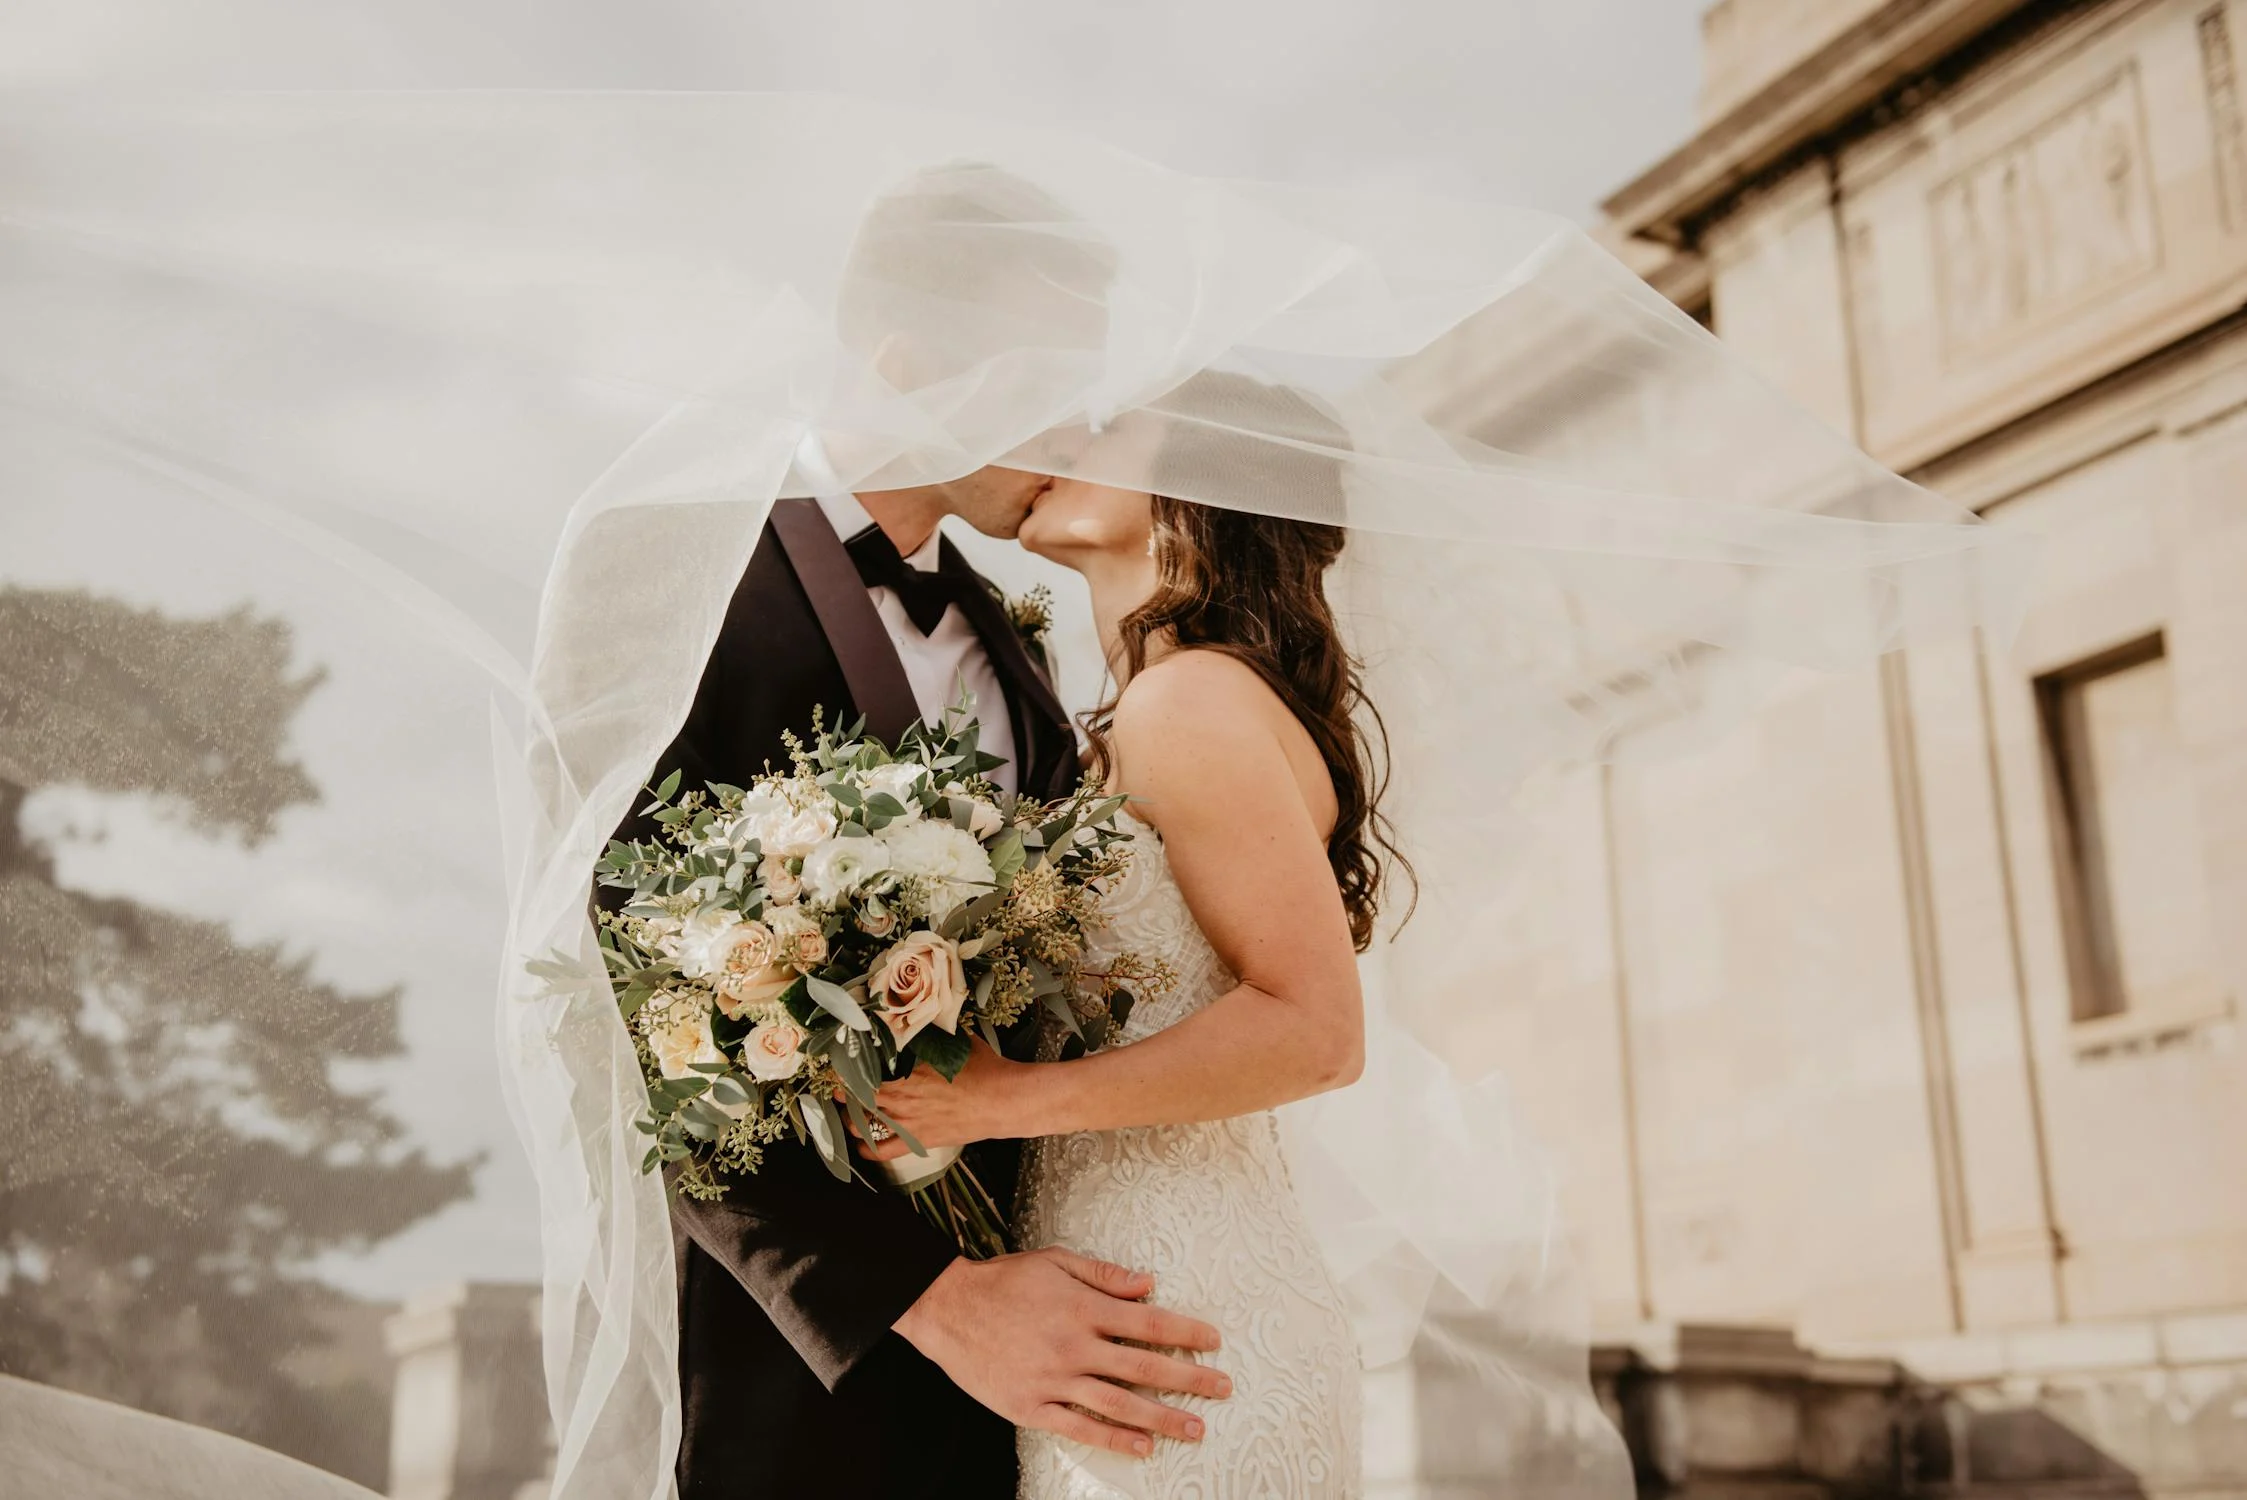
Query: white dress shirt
{"x": 936, "y": 664}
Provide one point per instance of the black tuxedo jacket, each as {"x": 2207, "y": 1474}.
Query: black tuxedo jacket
{"x": 794, "y": 1384}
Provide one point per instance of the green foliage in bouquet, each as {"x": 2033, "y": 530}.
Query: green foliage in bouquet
{"x": 786, "y": 947}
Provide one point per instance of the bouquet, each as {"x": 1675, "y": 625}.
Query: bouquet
{"x": 789, "y": 945}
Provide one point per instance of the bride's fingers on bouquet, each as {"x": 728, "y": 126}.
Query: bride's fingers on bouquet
{"x": 1159, "y": 1372}
{"x": 1068, "y": 1422}
{"x": 1129, "y": 1409}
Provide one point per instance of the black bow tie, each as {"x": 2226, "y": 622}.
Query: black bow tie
{"x": 926, "y": 595}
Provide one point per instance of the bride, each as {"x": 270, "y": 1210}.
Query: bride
{"x": 1257, "y": 877}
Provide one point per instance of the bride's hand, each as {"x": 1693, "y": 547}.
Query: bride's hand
{"x": 974, "y": 1106}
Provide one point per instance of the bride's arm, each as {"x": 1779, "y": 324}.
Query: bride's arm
{"x": 1199, "y": 740}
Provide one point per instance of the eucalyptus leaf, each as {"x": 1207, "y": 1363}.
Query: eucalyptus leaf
{"x": 1065, "y": 1013}
{"x": 825, "y": 1128}
{"x": 1007, "y": 856}
{"x": 853, "y": 1069}
{"x": 837, "y": 1002}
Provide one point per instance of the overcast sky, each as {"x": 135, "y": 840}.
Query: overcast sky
{"x": 1549, "y": 102}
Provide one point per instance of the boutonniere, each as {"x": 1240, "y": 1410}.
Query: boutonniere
{"x": 1031, "y": 615}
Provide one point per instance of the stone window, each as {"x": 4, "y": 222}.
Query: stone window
{"x": 2131, "y": 888}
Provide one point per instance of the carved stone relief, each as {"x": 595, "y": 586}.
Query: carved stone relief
{"x": 2219, "y": 67}
{"x": 2058, "y": 215}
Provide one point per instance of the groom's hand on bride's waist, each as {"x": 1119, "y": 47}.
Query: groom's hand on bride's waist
{"x": 1034, "y": 1337}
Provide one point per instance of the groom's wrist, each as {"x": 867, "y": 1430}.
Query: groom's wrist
{"x": 918, "y": 1324}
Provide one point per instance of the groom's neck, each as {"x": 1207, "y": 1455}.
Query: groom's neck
{"x": 907, "y": 517}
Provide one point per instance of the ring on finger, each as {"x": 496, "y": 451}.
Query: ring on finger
{"x": 877, "y": 1132}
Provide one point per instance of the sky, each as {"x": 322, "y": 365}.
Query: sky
{"x": 1548, "y": 102}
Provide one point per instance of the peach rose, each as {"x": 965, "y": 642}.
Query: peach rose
{"x": 802, "y": 942}
{"x": 773, "y": 1051}
{"x": 754, "y": 970}
{"x": 780, "y": 882}
{"x": 917, "y": 983}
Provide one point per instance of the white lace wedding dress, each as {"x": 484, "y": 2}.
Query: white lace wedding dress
{"x": 1209, "y": 1211}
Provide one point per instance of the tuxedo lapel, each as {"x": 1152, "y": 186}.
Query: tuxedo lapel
{"x": 847, "y": 616}
{"x": 1042, "y": 734}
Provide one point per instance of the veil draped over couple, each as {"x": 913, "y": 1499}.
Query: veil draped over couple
{"x": 1387, "y": 508}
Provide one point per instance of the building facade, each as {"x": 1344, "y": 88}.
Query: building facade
{"x": 1906, "y": 1021}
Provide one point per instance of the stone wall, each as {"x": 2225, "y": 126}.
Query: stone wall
{"x": 1907, "y": 1019}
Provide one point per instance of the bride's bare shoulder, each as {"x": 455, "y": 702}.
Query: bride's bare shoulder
{"x": 1197, "y": 706}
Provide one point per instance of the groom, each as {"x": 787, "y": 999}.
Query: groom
{"x": 831, "y": 1342}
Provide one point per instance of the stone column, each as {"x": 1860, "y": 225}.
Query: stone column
{"x": 469, "y": 1405}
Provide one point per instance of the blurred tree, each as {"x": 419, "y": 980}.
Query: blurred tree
{"x": 174, "y": 1146}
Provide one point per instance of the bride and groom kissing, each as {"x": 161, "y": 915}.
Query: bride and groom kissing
{"x": 1166, "y": 1323}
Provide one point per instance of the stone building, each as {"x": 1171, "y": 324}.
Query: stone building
{"x": 1906, "y": 1022}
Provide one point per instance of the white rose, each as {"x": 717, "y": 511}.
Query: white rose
{"x": 919, "y": 982}
{"x": 955, "y": 866}
{"x": 759, "y": 813}
{"x": 798, "y": 833}
{"x": 773, "y": 1051}
{"x": 838, "y": 867}
{"x": 901, "y": 780}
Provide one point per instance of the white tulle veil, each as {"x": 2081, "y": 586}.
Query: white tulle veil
{"x": 530, "y": 369}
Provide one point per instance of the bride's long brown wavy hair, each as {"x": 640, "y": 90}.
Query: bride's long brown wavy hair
{"x": 1254, "y": 587}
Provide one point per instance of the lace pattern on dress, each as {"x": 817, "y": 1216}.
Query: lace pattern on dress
{"x": 1209, "y": 1211}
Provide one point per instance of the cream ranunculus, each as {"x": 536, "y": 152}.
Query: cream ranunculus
{"x": 954, "y": 867}
{"x": 919, "y": 982}
{"x": 838, "y": 867}
{"x": 773, "y": 1051}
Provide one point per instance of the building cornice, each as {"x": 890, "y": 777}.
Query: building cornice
{"x": 1816, "y": 98}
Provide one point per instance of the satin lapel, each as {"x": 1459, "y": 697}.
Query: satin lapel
{"x": 1029, "y": 694}
{"x": 847, "y": 616}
